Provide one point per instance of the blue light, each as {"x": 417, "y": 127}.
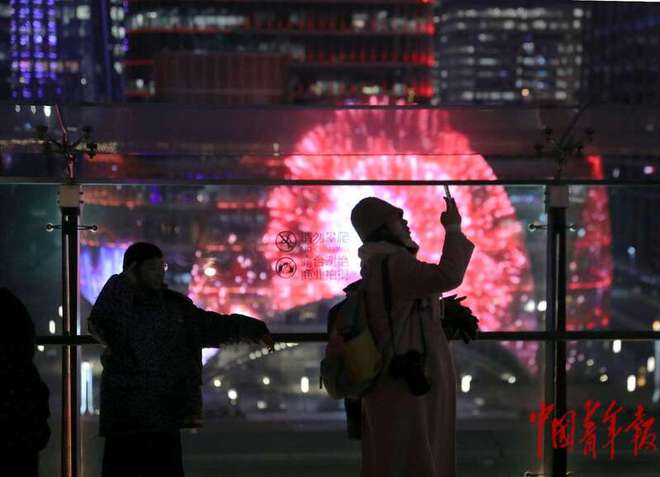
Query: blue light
{"x": 96, "y": 266}
{"x": 30, "y": 42}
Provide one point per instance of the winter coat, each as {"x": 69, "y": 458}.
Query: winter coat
{"x": 152, "y": 366}
{"x": 403, "y": 434}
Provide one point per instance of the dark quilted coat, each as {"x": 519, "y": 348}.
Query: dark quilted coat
{"x": 152, "y": 359}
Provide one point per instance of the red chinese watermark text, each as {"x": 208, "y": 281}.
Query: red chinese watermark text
{"x": 563, "y": 429}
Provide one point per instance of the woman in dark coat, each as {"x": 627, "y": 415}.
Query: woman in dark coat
{"x": 24, "y": 407}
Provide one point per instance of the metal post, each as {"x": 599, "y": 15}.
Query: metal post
{"x": 69, "y": 202}
{"x": 69, "y": 198}
{"x": 555, "y": 462}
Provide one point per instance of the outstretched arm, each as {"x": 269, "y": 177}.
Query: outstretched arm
{"x": 215, "y": 328}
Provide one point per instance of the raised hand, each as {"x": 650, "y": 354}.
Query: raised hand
{"x": 451, "y": 216}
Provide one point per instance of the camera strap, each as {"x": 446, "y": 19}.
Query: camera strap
{"x": 387, "y": 294}
{"x": 421, "y": 326}
{"x": 388, "y": 308}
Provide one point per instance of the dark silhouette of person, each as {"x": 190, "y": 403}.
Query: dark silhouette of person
{"x": 24, "y": 409}
{"x": 152, "y": 368}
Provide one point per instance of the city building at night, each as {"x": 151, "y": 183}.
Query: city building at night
{"x": 515, "y": 52}
{"x": 5, "y": 51}
{"x": 65, "y": 51}
{"x": 238, "y": 135}
{"x": 623, "y": 65}
{"x": 328, "y": 51}
{"x": 623, "y": 69}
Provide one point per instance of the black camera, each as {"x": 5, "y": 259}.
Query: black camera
{"x": 410, "y": 367}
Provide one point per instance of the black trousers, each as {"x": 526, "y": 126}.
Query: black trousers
{"x": 149, "y": 454}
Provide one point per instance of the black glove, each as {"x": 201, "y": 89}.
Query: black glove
{"x": 459, "y": 322}
{"x": 249, "y": 327}
{"x": 253, "y": 330}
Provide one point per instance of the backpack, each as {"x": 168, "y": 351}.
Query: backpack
{"x": 352, "y": 362}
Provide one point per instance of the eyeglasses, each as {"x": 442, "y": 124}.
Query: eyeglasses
{"x": 156, "y": 267}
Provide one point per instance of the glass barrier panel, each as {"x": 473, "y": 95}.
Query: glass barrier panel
{"x": 613, "y": 264}
{"x": 614, "y": 398}
{"x": 498, "y": 385}
{"x": 48, "y": 360}
{"x": 284, "y": 254}
{"x": 30, "y": 255}
{"x": 265, "y": 413}
{"x": 184, "y": 144}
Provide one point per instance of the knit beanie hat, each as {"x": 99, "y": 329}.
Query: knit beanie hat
{"x": 139, "y": 252}
{"x": 370, "y": 214}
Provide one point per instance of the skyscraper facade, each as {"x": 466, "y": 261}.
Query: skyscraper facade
{"x": 5, "y": 51}
{"x": 515, "y": 52}
{"x": 67, "y": 50}
{"x": 334, "y": 51}
{"x": 623, "y": 65}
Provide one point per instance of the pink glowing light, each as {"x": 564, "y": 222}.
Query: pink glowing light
{"x": 591, "y": 265}
{"x": 406, "y": 145}
{"x": 500, "y": 267}
{"x": 365, "y": 144}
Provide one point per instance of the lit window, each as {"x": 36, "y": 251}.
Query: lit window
{"x": 465, "y": 383}
{"x": 83, "y": 12}
{"x": 488, "y": 61}
{"x": 539, "y": 24}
